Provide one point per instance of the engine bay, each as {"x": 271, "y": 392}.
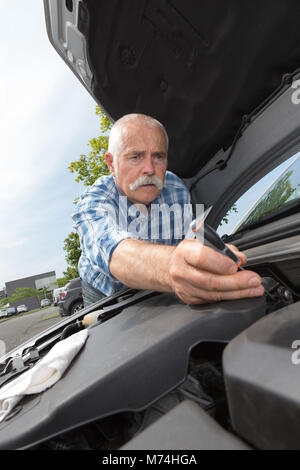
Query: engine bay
{"x": 153, "y": 357}
{"x": 129, "y": 363}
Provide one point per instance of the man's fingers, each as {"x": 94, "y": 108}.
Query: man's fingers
{"x": 215, "y": 282}
{"x": 201, "y": 274}
{"x": 192, "y": 295}
{"x": 238, "y": 253}
{"x": 219, "y": 296}
{"x": 205, "y": 258}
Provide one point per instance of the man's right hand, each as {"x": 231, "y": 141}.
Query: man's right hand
{"x": 199, "y": 274}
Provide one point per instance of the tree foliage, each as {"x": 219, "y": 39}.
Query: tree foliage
{"x": 71, "y": 272}
{"x": 72, "y": 248}
{"x": 4, "y": 301}
{"x": 273, "y": 200}
{"x": 90, "y": 167}
{"x": 225, "y": 219}
{"x": 73, "y": 252}
{"x": 23, "y": 293}
{"x": 61, "y": 281}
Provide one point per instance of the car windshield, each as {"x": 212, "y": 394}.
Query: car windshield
{"x": 282, "y": 192}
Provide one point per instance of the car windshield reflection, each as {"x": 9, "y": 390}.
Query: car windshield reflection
{"x": 274, "y": 191}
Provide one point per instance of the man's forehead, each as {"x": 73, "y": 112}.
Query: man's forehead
{"x": 136, "y": 135}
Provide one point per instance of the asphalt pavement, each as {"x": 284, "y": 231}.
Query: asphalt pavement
{"x": 17, "y": 329}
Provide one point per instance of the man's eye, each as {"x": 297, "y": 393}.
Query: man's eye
{"x": 135, "y": 158}
{"x": 159, "y": 157}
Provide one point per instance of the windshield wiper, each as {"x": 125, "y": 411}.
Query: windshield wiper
{"x": 108, "y": 307}
{"x": 105, "y": 313}
{"x": 48, "y": 337}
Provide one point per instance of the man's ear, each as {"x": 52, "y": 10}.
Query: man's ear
{"x": 110, "y": 163}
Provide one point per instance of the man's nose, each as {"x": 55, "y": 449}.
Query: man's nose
{"x": 148, "y": 167}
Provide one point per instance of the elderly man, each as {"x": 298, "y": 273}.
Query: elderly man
{"x": 116, "y": 256}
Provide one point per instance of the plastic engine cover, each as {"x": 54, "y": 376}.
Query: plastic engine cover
{"x": 261, "y": 370}
{"x": 126, "y": 364}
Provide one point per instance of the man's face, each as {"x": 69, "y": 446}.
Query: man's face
{"x": 142, "y": 159}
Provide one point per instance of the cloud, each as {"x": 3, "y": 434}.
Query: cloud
{"x": 39, "y": 114}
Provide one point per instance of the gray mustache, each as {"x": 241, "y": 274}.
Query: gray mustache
{"x": 143, "y": 180}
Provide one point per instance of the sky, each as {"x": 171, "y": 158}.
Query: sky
{"x": 47, "y": 118}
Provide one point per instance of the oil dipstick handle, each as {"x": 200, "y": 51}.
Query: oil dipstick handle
{"x": 212, "y": 239}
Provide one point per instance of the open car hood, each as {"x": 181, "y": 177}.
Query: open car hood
{"x": 197, "y": 66}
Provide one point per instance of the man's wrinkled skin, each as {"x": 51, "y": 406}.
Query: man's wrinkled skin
{"x": 196, "y": 273}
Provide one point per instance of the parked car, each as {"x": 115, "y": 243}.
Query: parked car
{"x": 3, "y": 313}
{"x": 22, "y": 308}
{"x": 45, "y": 303}
{"x": 11, "y": 311}
{"x": 57, "y": 295}
{"x": 155, "y": 373}
{"x": 71, "y": 298}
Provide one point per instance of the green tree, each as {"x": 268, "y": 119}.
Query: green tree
{"x": 72, "y": 248}
{"x": 4, "y": 301}
{"x": 226, "y": 216}
{"x": 273, "y": 200}
{"x": 73, "y": 252}
{"x": 61, "y": 281}
{"x": 71, "y": 272}
{"x": 90, "y": 167}
{"x": 21, "y": 294}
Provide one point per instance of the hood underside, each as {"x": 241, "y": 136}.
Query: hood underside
{"x": 197, "y": 66}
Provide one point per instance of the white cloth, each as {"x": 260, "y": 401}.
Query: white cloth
{"x": 43, "y": 374}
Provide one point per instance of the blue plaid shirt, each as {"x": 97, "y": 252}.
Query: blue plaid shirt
{"x": 104, "y": 217}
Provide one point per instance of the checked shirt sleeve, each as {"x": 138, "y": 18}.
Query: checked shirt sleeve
{"x": 97, "y": 225}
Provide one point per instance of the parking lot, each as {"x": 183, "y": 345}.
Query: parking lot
{"x": 19, "y": 328}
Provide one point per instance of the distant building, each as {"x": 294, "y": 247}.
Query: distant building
{"x": 37, "y": 282}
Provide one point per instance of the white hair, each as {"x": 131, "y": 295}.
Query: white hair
{"x": 119, "y": 131}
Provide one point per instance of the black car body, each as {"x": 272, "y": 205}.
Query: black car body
{"x": 155, "y": 373}
{"x": 71, "y": 298}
